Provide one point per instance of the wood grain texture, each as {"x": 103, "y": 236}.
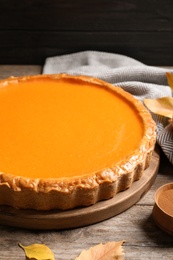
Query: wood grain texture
{"x": 30, "y": 31}
{"x": 17, "y": 70}
{"x": 21, "y": 47}
{"x": 86, "y": 15}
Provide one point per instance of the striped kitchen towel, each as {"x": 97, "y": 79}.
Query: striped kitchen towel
{"x": 140, "y": 80}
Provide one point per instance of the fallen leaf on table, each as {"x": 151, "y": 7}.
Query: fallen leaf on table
{"x": 160, "y": 106}
{"x": 38, "y": 252}
{"x": 108, "y": 251}
{"x": 170, "y": 79}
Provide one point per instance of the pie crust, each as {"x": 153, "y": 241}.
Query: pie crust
{"x": 69, "y": 141}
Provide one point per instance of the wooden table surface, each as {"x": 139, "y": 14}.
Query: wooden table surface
{"x": 143, "y": 239}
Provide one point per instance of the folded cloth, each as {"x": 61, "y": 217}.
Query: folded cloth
{"x": 138, "y": 79}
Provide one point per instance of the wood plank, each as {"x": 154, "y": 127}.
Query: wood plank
{"x": 23, "y": 47}
{"x": 143, "y": 239}
{"x": 17, "y": 70}
{"x": 32, "y": 30}
{"x": 86, "y": 15}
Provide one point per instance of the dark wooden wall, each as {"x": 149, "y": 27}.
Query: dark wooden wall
{"x": 31, "y": 30}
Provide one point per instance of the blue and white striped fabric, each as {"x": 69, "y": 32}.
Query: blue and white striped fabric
{"x": 140, "y": 80}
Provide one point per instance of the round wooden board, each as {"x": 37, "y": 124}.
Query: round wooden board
{"x": 56, "y": 219}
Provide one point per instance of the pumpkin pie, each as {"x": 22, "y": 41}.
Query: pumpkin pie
{"x": 69, "y": 141}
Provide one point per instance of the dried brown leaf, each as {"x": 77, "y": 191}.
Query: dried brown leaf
{"x": 160, "y": 106}
{"x": 108, "y": 251}
{"x": 170, "y": 79}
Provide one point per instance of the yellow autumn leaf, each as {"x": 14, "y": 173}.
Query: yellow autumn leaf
{"x": 107, "y": 251}
{"x": 170, "y": 79}
{"x": 38, "y": 252}
{"x": 160, "y": 106}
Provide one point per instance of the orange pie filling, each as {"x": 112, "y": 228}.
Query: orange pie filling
{"x": 68, "y": 141}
